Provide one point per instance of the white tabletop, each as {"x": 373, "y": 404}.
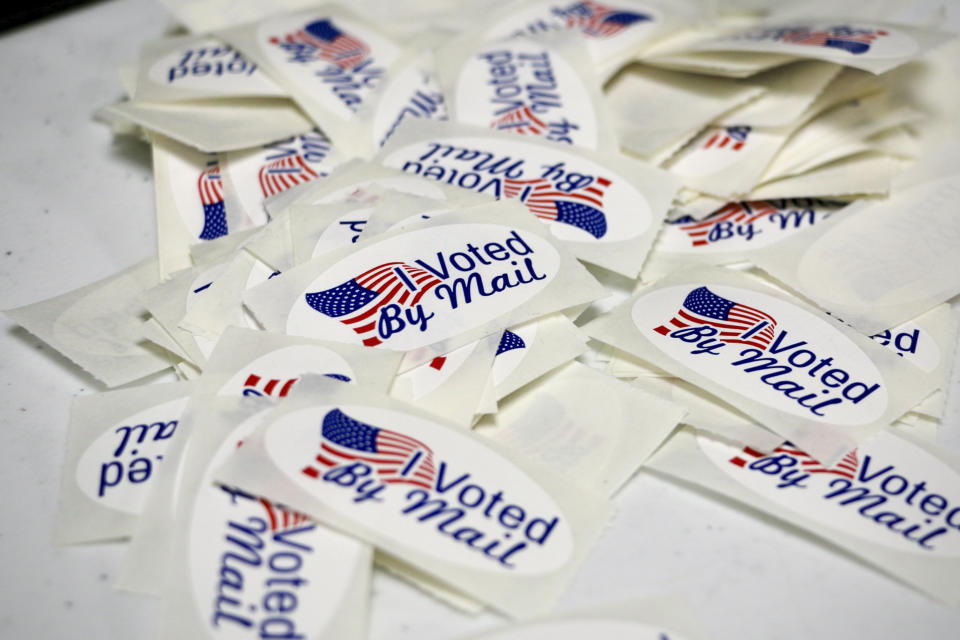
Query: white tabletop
{"x": 77, "y": 205}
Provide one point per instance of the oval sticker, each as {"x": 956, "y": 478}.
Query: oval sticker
{"x": 888, "y": 492}
{"x": 425, "y": 486}
{"x": 524, "y": 87}
{"x": 765, "y": 349}
{"x": 424, "y": 286}
{"x": 580, "y": 200}
{"x": 243, "y": 551}
{"x": 115, "y": 468}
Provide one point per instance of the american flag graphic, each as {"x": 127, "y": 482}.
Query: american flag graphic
{"x": 847, "y": 467}
{"x": 397, "y": 458}
{"x": 356, "y": 301}
{"x": 323, "y": 40}
{"x": 279, "y": 175}
{"x": 210, "y": 189}
{"x": 520, "y": 120}
{"x": 600, "y": 21}
{"x": 855, "y": 41}
{"x": 282, "y": 518}
{"x": 736, "y": 212}
{"x": 510, "y": 341}
{"x": 738, "y": 323}
{"x": 438, "y": 362}
{"x": 731, "y": 138}
{"x": 581, "y": 208}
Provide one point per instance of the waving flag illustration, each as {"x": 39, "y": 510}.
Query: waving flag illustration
{"x": 738, "y": 323}
{"x": 323, "y": 40}
{"x": 600, "y": 21}
{"x": 281, "y": 174}
{"x": 510, "y": 341}
{"x": 580, "y": 208}
{"x": 855, "y": 41}
{"x": 395, "y": 457}
{"x": 732, "y": 138}
{"x": 282, "y": 518}
{"x": 356, "y": 302}
{"x": 211, "y": 196}
{"x": 520, "y": 120}
{"x": 847, "y": 467}
{"x": 735, "y": 212}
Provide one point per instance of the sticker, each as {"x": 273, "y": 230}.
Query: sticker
{"x": 887, "y": 491}
{"x": 513, "y": 348}
{"x": 205, "y": 67}
{"x": 718, "y": 148}
{"x": 608, "y": 30}
{"x": 270, "y": 374}
{"x": 843, "y": 40}
{"x": 254, "y": 564}
{"x": 418, "y": 471}
{"x": 346, "y": 58}
{"x": 765, "y": 348}
{"x": 742, "y": 226}
{"x": 529, "y": 88}
{"x": 253, "y": 177}
{"x": 580, "y": 200}
{"x": 115, "y": 468}
{"x": 805, "y": 376}
{"x": 424, "y": 286}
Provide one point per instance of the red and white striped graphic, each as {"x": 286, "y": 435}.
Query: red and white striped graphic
{"x": 279, "y": 175}
{"x": 210, "y": 186}
{"x": 520, "y": 120}
{"x": 736, "y": 212}
{"x": 281, "y": 518}
{"x": 731, "y": 138}
{"x": 273, "y": 387}
{"x": 847, "y": 467}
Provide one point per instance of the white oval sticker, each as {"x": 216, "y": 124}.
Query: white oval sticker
{"x": 526, "y": 88}
{"x": 422, "y": 486}
{"x": 424, "y": 286}
{"x": 254, "y": 563}
{"x": 116, "y": 467}
{"x": 581, "y": 200}
{"x": 888, "y": 492}
{"x": 765, "y": 349}
{"x": 411, "y": 93}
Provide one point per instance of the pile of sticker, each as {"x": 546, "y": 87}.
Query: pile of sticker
{"x": 439, "y": 279}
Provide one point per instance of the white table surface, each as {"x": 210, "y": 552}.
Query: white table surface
{"x": 77, "y": 206}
